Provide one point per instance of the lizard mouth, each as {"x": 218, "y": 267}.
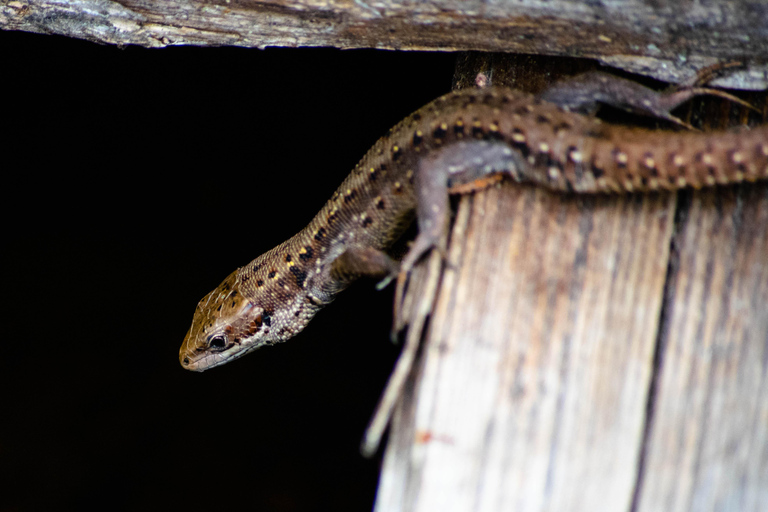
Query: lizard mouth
{"x": 238, "y": 336}
{"x": 207, "y": 360}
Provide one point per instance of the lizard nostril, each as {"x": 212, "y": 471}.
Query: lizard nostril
{"x": 186, "y": 361}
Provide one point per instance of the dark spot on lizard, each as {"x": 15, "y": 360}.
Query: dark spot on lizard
{"x": 550, "y": 161}
{"x": 417, "y": 138}
{"x": 439, "y": 132}
{"x": 367, "y": 221}
{"x": 650, "y": 164}
{"x": 523, "y": 110}
{"x": 320, "y": 234}
{"x": 594, "y": 133}
{"x": 299, "y": 274}
{"x": 307, "y": 254}
{"x": 519, "y": 141}
{"x": 259, "y": 283}
{"x": 493, "y": 131}
{"x": 272, "y": 274}
{"x": 396, "y": 153}
{"x": 256, "y": 267}
{"x": 380, "y": 205}
{"x": 350, "y": 195}
{"x": 288, "y": 258}
{"x": 597, "y": 171}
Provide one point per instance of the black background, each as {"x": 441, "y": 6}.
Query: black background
{"x": 133, "y": 182}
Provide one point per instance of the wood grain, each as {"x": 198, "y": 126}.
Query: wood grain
{"x": 707, "y": 447}
{"x": 592, "y": 353}
{"x": 535, "y": 369}
{"x": 635, "y": 35}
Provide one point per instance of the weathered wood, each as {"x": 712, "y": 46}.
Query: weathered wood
{"x": 543, "y": 348}
{"x": 635, "y": 35}
{"x": 537, "y": 368}
{"x": 707, "y": 447}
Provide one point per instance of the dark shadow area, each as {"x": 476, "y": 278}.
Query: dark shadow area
{"x": 134, "y": 181}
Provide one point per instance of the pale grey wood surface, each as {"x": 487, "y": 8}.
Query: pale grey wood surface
{"x": 665, "y": 39}
{"x": 708, "y": 438}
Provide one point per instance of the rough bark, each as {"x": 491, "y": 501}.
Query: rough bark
{"x": 665, "y": 39}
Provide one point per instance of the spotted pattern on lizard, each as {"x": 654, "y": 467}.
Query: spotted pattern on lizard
{"x": 458, "y": 143}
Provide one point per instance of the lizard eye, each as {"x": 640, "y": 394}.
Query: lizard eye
{"x": 217, "y": 342}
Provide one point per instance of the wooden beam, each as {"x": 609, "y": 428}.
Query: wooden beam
{"x": 667, "y": 40}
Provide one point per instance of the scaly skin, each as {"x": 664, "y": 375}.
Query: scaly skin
{"x": 450, "y": 144}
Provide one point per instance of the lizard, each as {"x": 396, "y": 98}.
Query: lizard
{"x": 461, "y": 142}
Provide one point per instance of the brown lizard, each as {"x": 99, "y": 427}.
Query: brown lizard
{"x": 458, "y": 143}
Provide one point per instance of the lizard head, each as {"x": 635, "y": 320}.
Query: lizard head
{"x": 226, "y": 326}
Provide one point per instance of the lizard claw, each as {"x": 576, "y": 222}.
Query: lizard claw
{"x": 423, "y": 244}
{"x": 385, "y": 282}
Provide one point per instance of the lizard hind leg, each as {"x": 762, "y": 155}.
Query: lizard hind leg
{"x": 583, "y": 93}
{"x": 461, "y": 167}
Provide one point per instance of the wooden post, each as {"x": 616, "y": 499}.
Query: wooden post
{"x": 591, "y": 353}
